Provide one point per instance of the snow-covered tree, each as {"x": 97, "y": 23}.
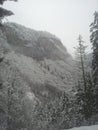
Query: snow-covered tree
{"x": 84, "y": 85}
{"x": 80, "y": 61}
{"x": 3, "y": 12}
{"x": 2, "y": 1}
{"x": 94, "y": 41}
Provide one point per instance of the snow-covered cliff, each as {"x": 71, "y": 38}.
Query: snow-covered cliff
{"x": 34, "y": 67}
{"x": 39, "y": 56}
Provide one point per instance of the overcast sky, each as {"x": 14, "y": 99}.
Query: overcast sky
{"x": 64, "y": 18}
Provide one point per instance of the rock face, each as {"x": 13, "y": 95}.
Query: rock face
{"x": 34, "y": 65}
{"x": 39, "y": 56}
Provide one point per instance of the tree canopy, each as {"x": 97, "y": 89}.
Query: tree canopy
{"x": 2, "y": 1}
{"x": 94, "y": 41}
{"x": 5, "y": 12}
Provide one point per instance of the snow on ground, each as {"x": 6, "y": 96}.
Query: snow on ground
{"x": 95, "y": 127}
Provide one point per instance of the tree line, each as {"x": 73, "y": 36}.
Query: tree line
{"x": 87, "y": 86}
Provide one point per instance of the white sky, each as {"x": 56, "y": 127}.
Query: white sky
{"x": 64, "y": 18}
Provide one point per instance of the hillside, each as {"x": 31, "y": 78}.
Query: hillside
{"x": 39, "y": 56}
{"x": 35, "y": 68}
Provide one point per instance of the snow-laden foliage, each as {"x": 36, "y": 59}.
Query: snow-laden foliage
{"x": 35, "y": 69}
{"x": 94, "y": 41}
{"x": 37, "y": 77}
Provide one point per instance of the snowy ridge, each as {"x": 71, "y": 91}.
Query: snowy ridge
{"x": 43, "y": 63}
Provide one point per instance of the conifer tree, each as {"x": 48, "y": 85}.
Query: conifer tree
{"x": 94, "y": 41}
{"x": 3, "y": 12}
{"x": 84, "y": 87}
{"x": 2, "y": 1}
{"x": 80, "y": 57}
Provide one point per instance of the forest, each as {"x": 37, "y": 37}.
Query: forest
{"x": 42, "y": 87}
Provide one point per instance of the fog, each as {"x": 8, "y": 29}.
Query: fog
{"x": 64, "y": 18}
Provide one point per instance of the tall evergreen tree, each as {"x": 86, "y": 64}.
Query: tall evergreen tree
{"x": 80, "y": 57}
{"x": 84, "y": 87}
{"x": 94, "y": 41}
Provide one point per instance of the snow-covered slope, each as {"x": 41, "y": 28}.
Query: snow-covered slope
{"x": 35, "y": 44}
{"x": 38, "y": 56}
{"x": 95, "y": 127}
{"x": 34, "y": 66}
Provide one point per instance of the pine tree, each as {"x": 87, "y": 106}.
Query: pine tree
{"x": 94, "y": 41}
{"x": 80, "y": 57}
{"x": 2, "y": 1}
{"x": 3, "y": 12}
{"x": 84, "y": 87}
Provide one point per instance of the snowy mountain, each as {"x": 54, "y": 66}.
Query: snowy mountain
{"x": 39, "y": 57}
{"x": 35, "y": 68}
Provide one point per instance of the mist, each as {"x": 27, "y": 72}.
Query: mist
{"x": 66, "y": 19}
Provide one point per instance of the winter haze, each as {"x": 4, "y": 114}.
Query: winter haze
{"x": 43, "y": 85}
{"x": 60, "y": 17}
